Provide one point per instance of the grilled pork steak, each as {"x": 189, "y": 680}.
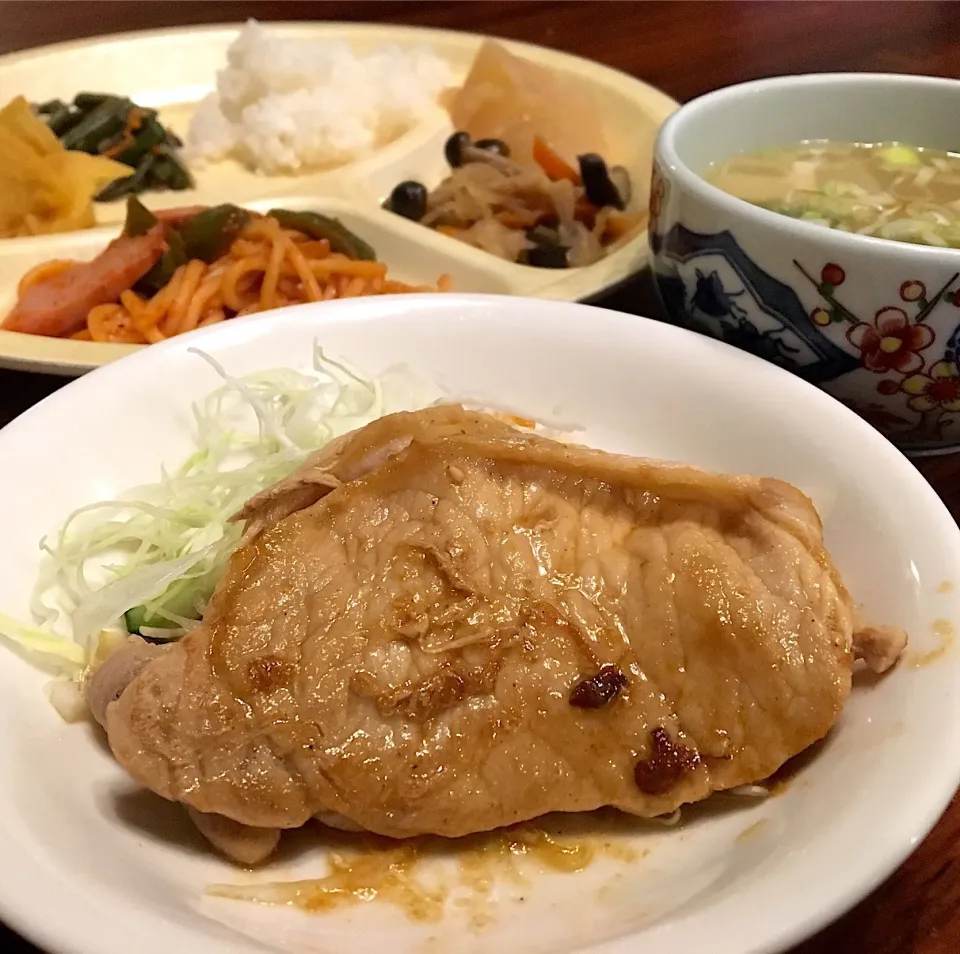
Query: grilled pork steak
{"x": 445, "y": 625}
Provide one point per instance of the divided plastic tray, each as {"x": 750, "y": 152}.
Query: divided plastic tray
{"x": 172, "y": 70}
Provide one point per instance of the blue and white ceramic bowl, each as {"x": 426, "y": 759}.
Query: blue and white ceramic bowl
{"x": 873, "y": 322}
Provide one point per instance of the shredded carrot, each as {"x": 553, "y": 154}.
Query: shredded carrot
{"x": 519, "y": 219}
{"x": 553, "y": 164}
{"x": 126, "y": 141}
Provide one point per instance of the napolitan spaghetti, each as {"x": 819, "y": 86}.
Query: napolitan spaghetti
{"x": 190, "y": 278}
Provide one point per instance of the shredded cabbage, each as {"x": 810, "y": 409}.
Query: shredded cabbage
{"x": 159, "y": 550}
{"x": 887, "y": 190}
{"x": 848, "y": 208}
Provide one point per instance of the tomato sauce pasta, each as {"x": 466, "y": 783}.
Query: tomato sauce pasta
{"x": 265, "y": 266}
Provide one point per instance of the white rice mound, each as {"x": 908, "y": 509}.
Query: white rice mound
{"x": 294, "y": 105}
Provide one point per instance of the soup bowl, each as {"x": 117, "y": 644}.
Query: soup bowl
{"x": 875, "y": 323}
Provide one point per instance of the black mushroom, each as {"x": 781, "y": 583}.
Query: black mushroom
{"x": 459, "y": 149}
{"x": 409, "y": 199}
{"x": 545, "y": 256}
{"x": 547, "y": 250}
{"x": 598, "y": 690}
{"x": 453, "y": 148}
{"x": 597, "y": 183}
{"x": 493, "y": 145}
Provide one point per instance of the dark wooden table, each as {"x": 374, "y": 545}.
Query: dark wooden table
{"x": 686, "y": 49}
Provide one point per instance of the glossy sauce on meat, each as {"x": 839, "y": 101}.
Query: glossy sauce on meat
{"x": 399, "y": 635}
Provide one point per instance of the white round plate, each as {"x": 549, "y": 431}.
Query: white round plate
{"x": 172, "y": 70}
{"x": 91, "y": 865}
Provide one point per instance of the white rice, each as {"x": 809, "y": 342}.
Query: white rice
{"x": 292, "y": 105}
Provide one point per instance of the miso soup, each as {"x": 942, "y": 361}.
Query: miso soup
{"x": 888, "y": 190}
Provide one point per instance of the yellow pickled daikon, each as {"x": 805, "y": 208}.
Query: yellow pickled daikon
{"x": 45, "y": 188}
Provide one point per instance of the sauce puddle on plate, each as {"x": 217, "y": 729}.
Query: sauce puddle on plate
{"x": 364, "y": 868}
{"x": 944, "y": 630}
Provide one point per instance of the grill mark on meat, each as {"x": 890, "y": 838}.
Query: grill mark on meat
{"x": 438, "y": 692}
{"x": 597, "y": 690}
{"x": 669, "y": 761}
{"x": 269, "y": 673}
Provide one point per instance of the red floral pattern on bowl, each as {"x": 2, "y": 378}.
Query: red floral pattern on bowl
{"x": 921, "y": 381}
{"x": 891, "y": 343}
